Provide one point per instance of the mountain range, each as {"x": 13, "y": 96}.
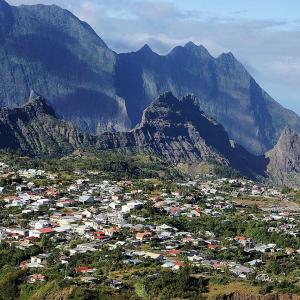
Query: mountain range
{"x": 48, "y": 49}
{"x": 174, "y": 129}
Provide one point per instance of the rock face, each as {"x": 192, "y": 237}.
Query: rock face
{"x": 284, "y": 159}
{"x": 225, "y": 89}
{"x": 34, "y": 129}
{"x": 179, "y": 131}
{"x": 48, "y": 49}
{"x": 174, "y": 129}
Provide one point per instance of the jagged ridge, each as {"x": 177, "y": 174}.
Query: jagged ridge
{"x": 34, "y": 129}
{"x": 223, "y": 86}
{"x": 180, "y": 131}
{"x": 177, "y": 130}
{"x": 49, "y": 49}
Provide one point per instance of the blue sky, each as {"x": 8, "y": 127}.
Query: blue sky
{"x": 256, "y": 9}
{"x": 263, "y": 34}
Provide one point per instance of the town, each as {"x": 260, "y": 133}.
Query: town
{"x": 82, "y": 232}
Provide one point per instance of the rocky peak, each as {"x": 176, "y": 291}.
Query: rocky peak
{"x": 146, "y": 50}
{"x": 192, "y": 50}
{"x": 288, "y": 145}
{"x": 179, "y": 131}
{"x": 38, "y": 105}
{"x": 169, "y": 109}
{"x": 33, "y": 95}
{"x": 229, "y": 61}
{"x": 35, "y": 130}
{"x": 287, "y": 137}
{"x": 197, "y": 48}
{"x": 284, "y": 159}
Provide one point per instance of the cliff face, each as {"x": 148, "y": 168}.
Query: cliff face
{"x": 174, "y": 129}
{"x": 177, "y": 130}
{"x": 180, "y": 131}
{"x": 284, "y": 159}
{"x": 34, "y": 129}
{"x": 48, "y": 49}
{"x": 225, "y": 90}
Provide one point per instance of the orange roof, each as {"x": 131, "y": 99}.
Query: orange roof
{"x": 174, "y": 251}
{"x": 180, "y": 263}
{"x": 240, "y": 238}
{"x": 99, "y": 233}
{"x": 38, "y": 276}
{"x": 46, "y": 230}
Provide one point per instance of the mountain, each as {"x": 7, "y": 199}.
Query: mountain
{"x": 174, "y": 129}
{"x": 179, "y": 131}
{"x": 34, "y": 129}
{"x": 223, "y": 86}
{"x": 284, "y": 159}
{"x": 48, "y": 49}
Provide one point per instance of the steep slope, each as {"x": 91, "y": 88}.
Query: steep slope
{"x": 180, "y": 132}
{"x": 225, "y": 89}
{"x": 48, "y": 49}
{"x": 34, "y": 129}
{"x": 176, "y": 130}
{"x": 284, "y": 159}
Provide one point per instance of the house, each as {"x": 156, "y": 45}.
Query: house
{"x": 212, "y": 246}
{"x": 169, "y": 264}
{"x": 178, "y": 265}
{"x": 21, "y": 188}
{"x": 85, "y": 270}
{"x": 132, "y": 205}
{"x": 34, "y": 233}
{"x": 263, "y": 277}
{"x": 17, "y": 232}
{"x": 36, "y": 277}
{"x": 38, "y": 261}
{"x": 241, "y": 240}
{"x": 53, "y": 192}
{"x": 240, "y": 271}
{"x": 174, "y": 252}
{"x": 117, "y": 284}
{"x": 85, "y": 199}
{"x": 112, "y": 231}
{"x": 89, "y": 279}
{"x": 175, "y": 211}
{"x": 46, "y": 230}
{"x": 99, "y": 235}
{"x": 145, "y": 235}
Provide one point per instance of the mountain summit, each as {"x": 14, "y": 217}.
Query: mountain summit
{"x": 223, "y": 86}
{"x": 179, "y": 131}
{"x": 34, "y": 129}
